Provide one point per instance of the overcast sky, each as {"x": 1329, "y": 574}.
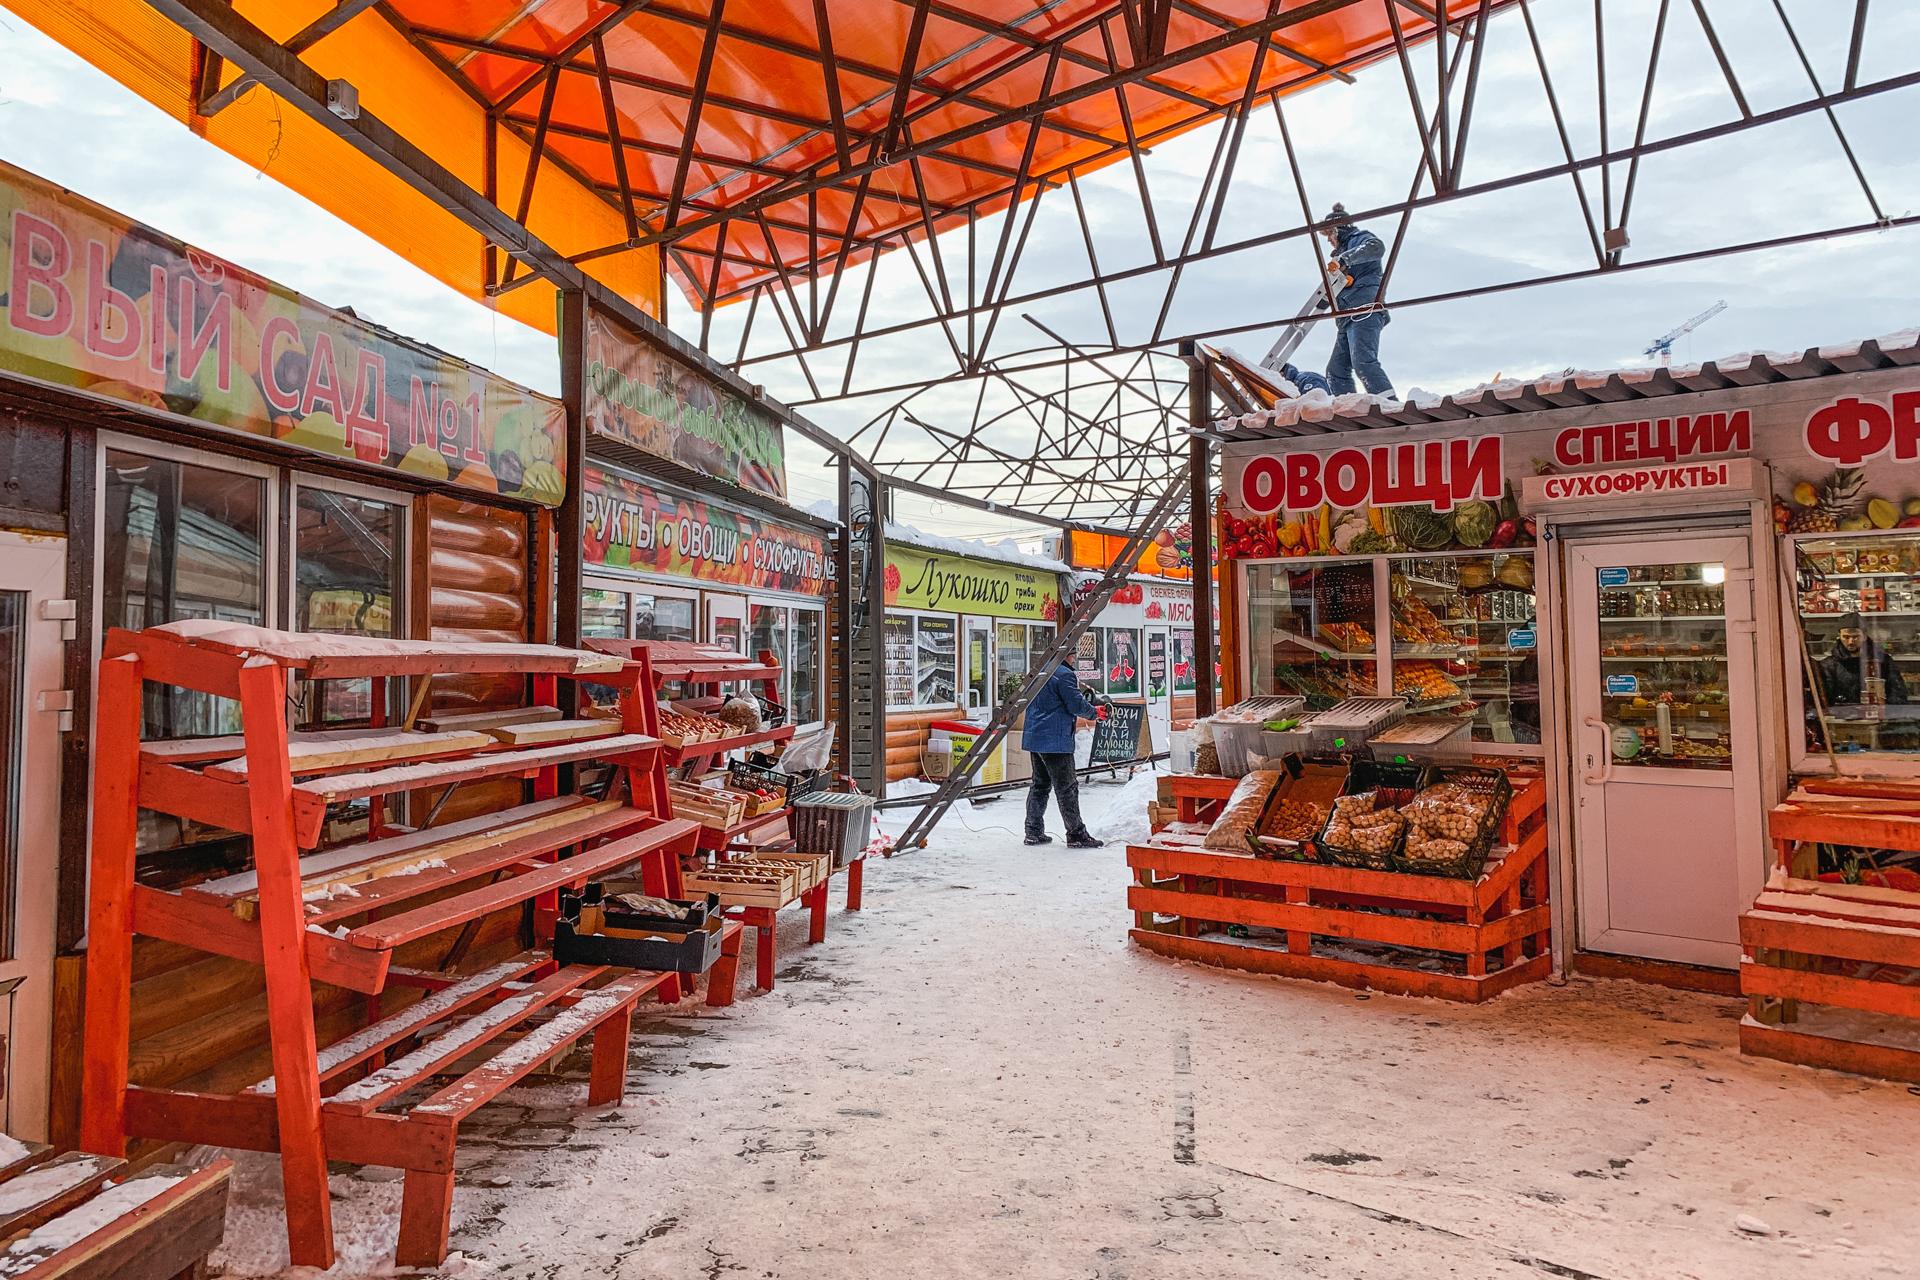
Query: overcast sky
{"x": 61, "y": 119}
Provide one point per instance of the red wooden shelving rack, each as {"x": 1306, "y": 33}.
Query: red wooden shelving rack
{"x": 707, "y": 667}
{"x": 348, "y": 1100}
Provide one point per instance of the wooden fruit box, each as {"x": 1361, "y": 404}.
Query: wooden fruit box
{"x": 815, "y": 867}
{"x": 750, "y": 882}
{"x": 711, "y": 806}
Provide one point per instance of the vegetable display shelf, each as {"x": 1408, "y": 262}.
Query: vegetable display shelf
{"x": 1830, "y": 970}
{"x": 701, "y": 669}
{"x": 1420, "y": 935}
{"x": 337, "y": 916}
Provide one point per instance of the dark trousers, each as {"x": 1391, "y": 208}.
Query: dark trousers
{"x": 1053, "y": 771}
{"x": 1356, "y": 349}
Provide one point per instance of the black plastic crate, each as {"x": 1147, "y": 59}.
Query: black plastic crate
{"x": 751, "y": 775}
{"x": 582, "y": 936}
{"x": 1498, "y": 789}
{"x": 601, "y": 893}
{"x": 838, "y": 823}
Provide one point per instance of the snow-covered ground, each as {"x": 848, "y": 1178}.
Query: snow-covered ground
{"x": 978, "y": 1076}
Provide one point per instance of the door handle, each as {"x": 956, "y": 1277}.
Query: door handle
{"x": 1606, "y": 752}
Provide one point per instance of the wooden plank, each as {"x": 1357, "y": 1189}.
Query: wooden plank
{"x": 341, "y": 748}
{"x": 1201, "y": 786}
{"x": 484, "y": 720}
{"x": 116, "y": 822}
{"x": 1880, "y": 944}
{"x": 481, "y": 1085}
{"x": 1312, "y": 875}
{"x": 369, "y": 1092}
{"x": 528, "y": 733}
{"x": 1848, "y": 892}
{"x": 1899, "y": 999}
{"x": 171, "y": 1224}
{"x": 207, "y": 927}
{"x": 407, "y": 880}
{"x": 1873, "y": 831}
{"x": 396, "y": 930}
{"x": 1365, "y": 926}
{"x": 1809, "y": 1050}
{"x": 327, "y": 866}
{"x": 1347, "y": 973}
{"x": 51, "y": 1189}
{"x": 494, "y": 764}
{"x": 282, "y": 933}
{"x": 188, "y": 793}
{"x": 246, "y": 1122}
{"x": 344, "y": 1055}
{"x": 32, "y": 1153}
{"x": 1821, "y": 907}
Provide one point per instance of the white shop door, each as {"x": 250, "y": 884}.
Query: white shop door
{"x": 1666, "y": 773}
{"x": 32, "y": 573}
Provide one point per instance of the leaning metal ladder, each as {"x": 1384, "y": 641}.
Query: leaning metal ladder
{"x": 1078, "y": 619}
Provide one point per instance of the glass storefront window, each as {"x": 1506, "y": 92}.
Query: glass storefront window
{"x": 1663, "y": 665}
{"x": 1122, "y": 656}
{"x": 1010, "y": 643}
{"x": 936, "y": 649}
{"x": 803, "y": 671}
{"x": 899, "y": 651}
{"x": 1858, "y": 600}
{"x": 1310, "y": 631}
{"x": 347, "y": 557}
{"x": 1087, "y": 664}
{"x": 660, "y": 617}
{"x": 604, "y": 615}
{"x": 181, "y": 541}
{"x": 1183, "y": 663}
{"x": 1465, "y": 641}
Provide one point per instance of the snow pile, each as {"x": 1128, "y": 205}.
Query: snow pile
{"x": 12, "y": 1149}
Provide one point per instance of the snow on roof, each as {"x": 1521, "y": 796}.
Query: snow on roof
{"x": 1003, "y": 550}
{"x": 1317, "y": 412}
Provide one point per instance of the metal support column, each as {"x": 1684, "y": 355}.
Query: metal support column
{"x": 1200, "y": 511}
{"x": 569, "y": 525}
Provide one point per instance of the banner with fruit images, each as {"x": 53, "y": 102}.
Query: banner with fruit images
{"x": 106, "y": 306}
{"x": 1844, "y": 454}
{"x": 636, "y": 525}
{"x": 641, "y": 394}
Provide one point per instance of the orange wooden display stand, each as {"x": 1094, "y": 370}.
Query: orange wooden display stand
{"x": 60, "y": 1220}
{"x": 344, "y": 1101}
{"x": 1496, "y": 927}
{"x": 707, "y": 667}
{"x": 1843, "y": 946}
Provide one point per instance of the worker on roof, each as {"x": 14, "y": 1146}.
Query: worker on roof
{"x": 1304, "y": 380}
{"x": 1356, "y": 269}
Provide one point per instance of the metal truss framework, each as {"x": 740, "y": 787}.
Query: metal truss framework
{"x": 1092, "y": 425}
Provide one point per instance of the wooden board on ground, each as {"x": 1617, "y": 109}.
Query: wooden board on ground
{"x": 484, "y": 720}
{"x": 49, "y": 1190}
{"x": 525, "y": 733}
{"x": 338, "y": 748}
{"x": 157, "y": 1225}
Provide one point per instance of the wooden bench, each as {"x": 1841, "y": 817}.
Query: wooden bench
{"x": 81, "y": 1217}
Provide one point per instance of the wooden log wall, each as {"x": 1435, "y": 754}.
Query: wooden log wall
{"x": 907, "y": 737}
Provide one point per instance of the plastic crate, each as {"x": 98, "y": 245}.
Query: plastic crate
{"x": 750, "y": 776}
{"x": 1491, "y": 783}
{"x": 837, "y": 823}
{"x": 1394, "y": 784}
{"x": 1425, "y": 740}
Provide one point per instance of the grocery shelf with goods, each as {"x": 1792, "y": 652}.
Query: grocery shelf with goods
{"x": 340, "y": 915}
{"x": 1197, "y": 897}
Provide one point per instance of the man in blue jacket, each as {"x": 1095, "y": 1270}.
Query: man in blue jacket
{"x": 1356, "y": 257}
{"x": 1048, "y": 738}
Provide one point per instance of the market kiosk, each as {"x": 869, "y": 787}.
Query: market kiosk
{"x": 1669, "y": 592}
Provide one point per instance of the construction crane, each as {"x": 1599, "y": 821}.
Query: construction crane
{"x": 1663, "y": 345}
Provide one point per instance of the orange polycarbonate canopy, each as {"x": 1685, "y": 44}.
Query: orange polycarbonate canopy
{"x": 758, "y": 140}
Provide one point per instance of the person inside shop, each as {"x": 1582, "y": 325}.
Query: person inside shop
{"x": 1052, "y": 717}
{"x": 1859, "y": 666}
{"x": 1355, "y": 266}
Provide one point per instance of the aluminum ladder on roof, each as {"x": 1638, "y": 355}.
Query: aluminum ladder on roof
{"x": 1296, "y": 331}
{"x": 1066, "y": 642}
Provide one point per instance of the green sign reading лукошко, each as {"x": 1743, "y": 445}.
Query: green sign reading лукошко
{"x": 916, "y": 579}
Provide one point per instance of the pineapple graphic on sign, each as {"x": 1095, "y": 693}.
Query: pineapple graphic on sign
{"x": 1826, "y": 506}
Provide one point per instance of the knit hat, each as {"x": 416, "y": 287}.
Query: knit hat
{"x": 1339, "y": 216}
{"x": 1849, "y": 622}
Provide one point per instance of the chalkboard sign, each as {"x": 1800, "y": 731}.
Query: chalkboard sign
{"x": 1122, "y": 737}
